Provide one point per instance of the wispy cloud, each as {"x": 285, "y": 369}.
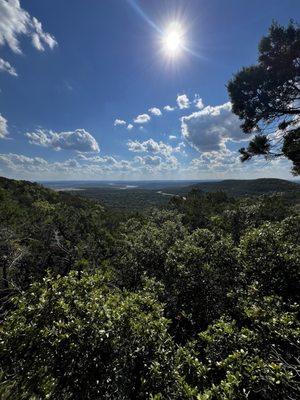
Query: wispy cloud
{"x": 40, "y": 39}
{"x": 6, "y": 67}
{"x": 16, "y": 22}
{"x": 3, "y": 127}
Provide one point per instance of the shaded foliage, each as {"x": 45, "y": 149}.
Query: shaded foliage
{"x": 266, "y": 96}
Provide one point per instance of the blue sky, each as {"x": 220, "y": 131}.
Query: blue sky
{"x": 85, "y": 87}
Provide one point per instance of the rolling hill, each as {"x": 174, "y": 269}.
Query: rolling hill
{"x": 143, "y": 195}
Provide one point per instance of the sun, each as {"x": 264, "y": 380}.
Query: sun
{"x": 173, "y": 39}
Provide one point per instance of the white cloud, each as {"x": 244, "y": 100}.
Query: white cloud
{"x": 136, "y": 146}
{"x": 160, "y": 156}
{"x": 119, "y": 122}
{"x": 152, "y": 161}
{"x": 198, "y": 102}
{"x": 155, "y": 111}
{"x": 207, "y": 130}
{"x": 105, "y": 164}
{"x": 171, "y": 163}
{"x": 15, "y": 22}
{"x": 99, "y": 160}
{"x": 223, "y": 164}
{"x": 41, "y": 38}
{"x": 5, "y": 66}
{"x": 153, "y": 164}
{"x": 129, "y": 127}
{"x": 169, "y": 108}
{"x": 218, "y": 161}
{"x": 3, "y": 127}
{"x": 172, "y": 137}
{"x": 183, "y": 101}
{"x": 142, "y": 119}
{"x": 20, "y": 162}
{"x": 150, "y": 146}
{"x": 19, "y": 165}
{"x": 79, "y": 140}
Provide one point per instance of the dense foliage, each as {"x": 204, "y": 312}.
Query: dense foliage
{"x": 198, "y": 300}
{"x": 266, "y": 97}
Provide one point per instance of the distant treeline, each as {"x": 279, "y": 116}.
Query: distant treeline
{"x": 135, "y": 199}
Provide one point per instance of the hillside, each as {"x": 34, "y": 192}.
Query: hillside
{"x": 144, "y": 195}
{"x": 26, "y": 193}
{"x": 242, "y": 187}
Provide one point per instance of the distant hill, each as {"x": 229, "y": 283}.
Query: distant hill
{"x": 134, "y": 197}
{"x": 242, "y": 187}
{"x": 131, "y": 198}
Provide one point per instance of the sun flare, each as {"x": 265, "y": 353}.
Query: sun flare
{"x": 173, "y": 39}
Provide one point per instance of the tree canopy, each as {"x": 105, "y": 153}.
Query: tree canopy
{"x": 197, "y": 301}
{"x": 266, "y": 97}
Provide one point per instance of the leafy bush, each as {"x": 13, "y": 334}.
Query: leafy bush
{"x": 80, "y": 338}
